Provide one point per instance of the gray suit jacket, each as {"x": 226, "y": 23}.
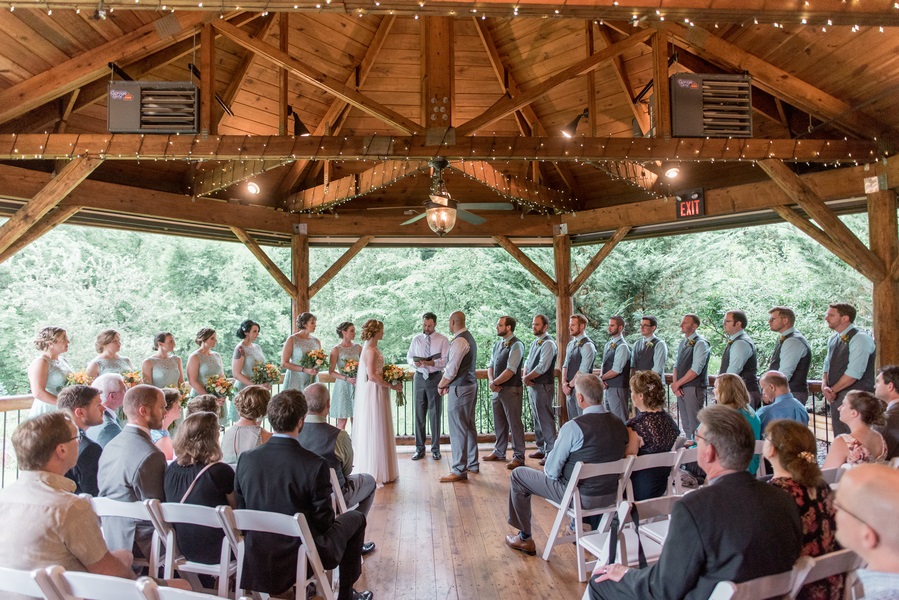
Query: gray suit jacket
{"x": 132, "y": 468}
{"x": 102, "y": 434}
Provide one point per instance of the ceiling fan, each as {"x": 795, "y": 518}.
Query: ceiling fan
{"x": 441, "y": 210}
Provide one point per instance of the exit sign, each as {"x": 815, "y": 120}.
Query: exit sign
{"x": 690, "y": 204}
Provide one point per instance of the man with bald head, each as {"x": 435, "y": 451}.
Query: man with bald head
{"x": 867, "y": 517}
{"x": 460, "y": 383}
{"x": 132, "y": 468}
{"x": 780, "y": 403}
{"x": 112, "y": 394}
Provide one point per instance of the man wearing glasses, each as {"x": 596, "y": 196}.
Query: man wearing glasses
{"x": 650, "y": 353}
{"x": 740, "y": 356}
{"x": 792, "y": 354}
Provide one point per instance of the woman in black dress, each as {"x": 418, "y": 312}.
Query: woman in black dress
{"x": 651, "y": 431}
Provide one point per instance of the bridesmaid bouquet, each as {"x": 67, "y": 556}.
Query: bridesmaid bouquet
{"x": 219, "y": 385}
{"x": 267, "y": 374}
{"x": 132, "y": 378}
{"x": 350, "y": 368}
{"x": 184, "y": 389}
{"x": 316, "y": 359}
{"x": 78, "y": 378}
{"x": 393, "y": 374}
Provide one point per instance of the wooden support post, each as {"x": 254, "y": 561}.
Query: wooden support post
{"x": 267, "y": 262}
{"x": 284, "y": 41}
{"x": 661, "y": 93}
{"x": 45, "y": 200}
{"x": 299, "y": 245}
{"x": 526, "y": 262}
{"x": 597, "y": 259}
{"x": 564, "y": 306}
{"x": 438, "y": 77}
{"x": 49, "y": 221}
{"x": 208, "y": 122}
{"x": 339, "y": 264}
{"x": 882, "y": 231}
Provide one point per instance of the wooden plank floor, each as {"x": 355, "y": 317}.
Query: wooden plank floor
{"x": 446, "y": 541}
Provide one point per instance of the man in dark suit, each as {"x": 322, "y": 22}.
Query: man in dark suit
{"x": 283, "y": 477}
{"x": 735, "y": 529}
{"x": 112, "y": 394}
{"x": 886, "y": 388}
{"x": 84, "y": 403}
{"x": 132, "y": 468}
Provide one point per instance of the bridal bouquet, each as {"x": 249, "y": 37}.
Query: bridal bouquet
{"x": 132, "y": 378}
{"x": 219, "y": 385}
{"x": 350, "y": 368}
{"x": 78, "y": 378}
{"x": 316, "y": 359}
{"x": 393, "y": 374}
{"x": 268, "y": 373}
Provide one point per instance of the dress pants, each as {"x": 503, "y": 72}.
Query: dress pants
{"x": 541, "y": 398}
{"x": 341, "y": 545}
{"x": 360, "y": 489}
{"x": 527, "y": 482}
{"x": 428, "y": 408}
{"x": 838, "y": 426}
{"x": 689, "y": 406}
{"x": 460, "y": 406}
{"x": 507, "y": 420}
{"x": 616, "y": 401}
{"x": 573, "y": 409}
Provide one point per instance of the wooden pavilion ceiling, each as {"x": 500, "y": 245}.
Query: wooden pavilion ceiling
{"x": 357, "y": 73}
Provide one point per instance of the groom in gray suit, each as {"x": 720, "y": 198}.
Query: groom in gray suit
{"x": 132, "y": 468}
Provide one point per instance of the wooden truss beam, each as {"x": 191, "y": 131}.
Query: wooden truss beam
{"x": 55, "y": 217}
{"x": 269, "y": 265}
{"x": 526, "y": 262}
{"x": 516, "y": 189}
{"x": 227, "y": 174}
{"x": 309, "y": 75}
{"x": 238, "y": 147}
{"x": 810, "y": 229}
{"x": 632, "y": 172}
{"x": 353, "y": 186}
{"x": 339, "y": 264}
{"x": 597, "y": 259}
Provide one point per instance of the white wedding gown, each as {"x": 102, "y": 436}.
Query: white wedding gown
{"x": 374, "y": 443}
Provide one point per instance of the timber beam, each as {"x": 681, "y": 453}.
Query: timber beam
{"x": 597, "y": 259}
{"x": 227, "y": 174}
{"x": 526, "y": 262}
{"x": 352, "y": 186}
{"x": 339, "y": 264}
{"x": 55, "y": 217}
{"x": 516, "y": 189}
{"x": 269, "y": 265}
{"x": 813, "y": 231}
{"x": 238, "y": 147}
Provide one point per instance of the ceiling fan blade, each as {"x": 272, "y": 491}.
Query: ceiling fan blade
{"x": 487, "y": 206}
{"x": 470, "y": 217}
{"x": 414, "y": 219}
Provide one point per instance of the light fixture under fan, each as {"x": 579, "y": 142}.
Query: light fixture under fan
{"x": 441, "y": 210}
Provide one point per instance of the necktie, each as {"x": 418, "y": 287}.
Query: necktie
{"x": 427, "y": 350}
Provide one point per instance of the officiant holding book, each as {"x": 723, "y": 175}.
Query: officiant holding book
{"x": 427, "y": 353}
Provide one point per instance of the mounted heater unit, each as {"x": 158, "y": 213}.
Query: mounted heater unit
{"x": 706, "y": 105}
{"x": 153, "y": 107}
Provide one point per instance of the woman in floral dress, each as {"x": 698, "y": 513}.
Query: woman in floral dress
{"x": 860, "y": 411}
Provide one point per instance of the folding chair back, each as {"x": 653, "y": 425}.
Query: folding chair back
{"x": 689, "y": 455}
{"x": 779, "y": 585}
{"x": 141, "y": 511}
{"x": 655, "y": 461}
{"x": 337, "y": 499}
{"x": 832, "y": 476}
{"x": 841, "y": 562}
{"x": 74, "y": 585}
{"x": 151, "y": 591}
{"x": 31, "y": 583}
{"x": 759, "y": 449}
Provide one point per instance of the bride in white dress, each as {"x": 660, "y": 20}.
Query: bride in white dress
{"x": 374, "y": 443}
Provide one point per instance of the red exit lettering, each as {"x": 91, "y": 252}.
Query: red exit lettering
{"x": 689, "y": 208}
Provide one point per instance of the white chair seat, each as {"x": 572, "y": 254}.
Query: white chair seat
{"x": 657, "y": 532}
{"x": 31, "y": 583}
{"x": 772, "y": 586}
{"x": 73, "y": 585}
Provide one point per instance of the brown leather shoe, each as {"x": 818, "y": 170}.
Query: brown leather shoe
{"x": 492, "y": 457}
{"x": 515, "y": 542}
{"x": 542, "y": 462}
{"x": 453, "y": 478}
{"x": 515, "y": 462}
{"x": 537, "y": 454}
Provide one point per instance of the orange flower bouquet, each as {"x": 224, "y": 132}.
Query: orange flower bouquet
{"x": 393, "y": 374}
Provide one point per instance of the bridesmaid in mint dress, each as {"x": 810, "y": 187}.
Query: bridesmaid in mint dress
{"x": 204, "y": 363}
{"x": 344, "y": 390}
{"x": 295, "y": 347}
{"x": 163, "y": 369}
{"x": 47, "y": 373}
{"x": 247, "y": 355}
{"x": 108, "y": 344}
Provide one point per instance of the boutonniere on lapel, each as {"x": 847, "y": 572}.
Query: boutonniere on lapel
{"x": 730, "y": 342}
{"x": 507, "y": 343}
{"x": 540, "y": 342}
{"x": 691, "y": 342}
{"x": 844, "y": 338}
{"x": 650, "y": 344}
{"x": 782, "y": 338}
{"x": 612, "y": 345}
{"x": 582, "y": 341}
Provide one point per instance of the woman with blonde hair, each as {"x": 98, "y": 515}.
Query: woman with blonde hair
{"x": 107, "y": 345}
{"x": 246, "y": 433}
{"x": 295, "y": 348}
{"x": 859, "y": 410}
{"x": 651, "y": 431}
{"x": 731, "y": 391}
{"x": 48, "y": 372}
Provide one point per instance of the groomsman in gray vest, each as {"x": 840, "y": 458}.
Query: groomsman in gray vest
{"x": 428, "y": 402}
{"x": 579, "y": 356}
{"x": 691, "y": 374}
{"x": 849, "y": 364}
{"x": 740, "y": 356}
{"x": 792, "y": 354}
{"x": 650, "y": 352}
{"x": 504, "y": 377}
{"x": 539, "y": 376}
{"x": 460, "y": 382}
{"x": 616, "y": 371}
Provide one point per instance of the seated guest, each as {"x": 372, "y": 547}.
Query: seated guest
{"x": 651, "y": 431}
{"x": 204, "y": 403}
{"x": 44, "y": 523}
{"x": 246, "y": 433}
{"x": 868, "y": 524}
{"x": 707, "y": 541}
{"x": 84, "y": 403}
{"x": 886, "y": 388}
{"x": 791, "y": 448}
{"x": 132, "y": 468}
{"x": 860, "y": 411}
{"x": 281, "y": 476}
{"x": 731, "y": 391}
{"x": 161, "y": 437}
{"x": 596, "y": 436}
{"x": 780, "y": 403}
{"x": 112, "y": 394}
{"x": 197, "y": 477}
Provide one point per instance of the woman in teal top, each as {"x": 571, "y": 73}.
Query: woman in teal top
{"x": 247, "y": 355}
{"x": 107, "y": 345}
{"x": 344, "y": 390}
{"x": 48, "y": 372}
{"x": 731, "y": 391}
{"x": 162, "y": 368}
{"x": 295, "y": 348}
{"x": 204, "y": 363}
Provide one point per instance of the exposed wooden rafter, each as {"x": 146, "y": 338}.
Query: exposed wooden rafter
{"x": 597, "y": 259}
{"x": 624, "y": 81}
{"x": 339, "y": 264}
{"x": 227, "y": 174}
{"x": 515, "y": 189}
{"x": 813, "y": 231}
{"x": 264, "y": 259}
{"x": 526, "y": 262}
{"x": 55, "y": 217}
{"x": 353, "y": 186}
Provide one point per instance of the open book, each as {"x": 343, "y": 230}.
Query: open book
{"x": 421, "y": 358}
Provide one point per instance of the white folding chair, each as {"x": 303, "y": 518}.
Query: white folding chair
{"x": 235, "y": 522}
{"x": 30, "y": 583}
{"x": 771, "y": 586}
{"x": 759, "y": 449}
{"x": 169, "y": 513}
{"x": 570, "y": 506}
{"x": 626, "y": 539}
{"x": 841, "y": 562}
{"x": 671, "y": 460}
{"x": 689, "y": 455}
{"x": 140, "y": 510}
{"x": 75, "y": 585}
{"x": 152, "y": 591}
{"x": 337, "y": 499}
{"x": 832, "y": 476}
